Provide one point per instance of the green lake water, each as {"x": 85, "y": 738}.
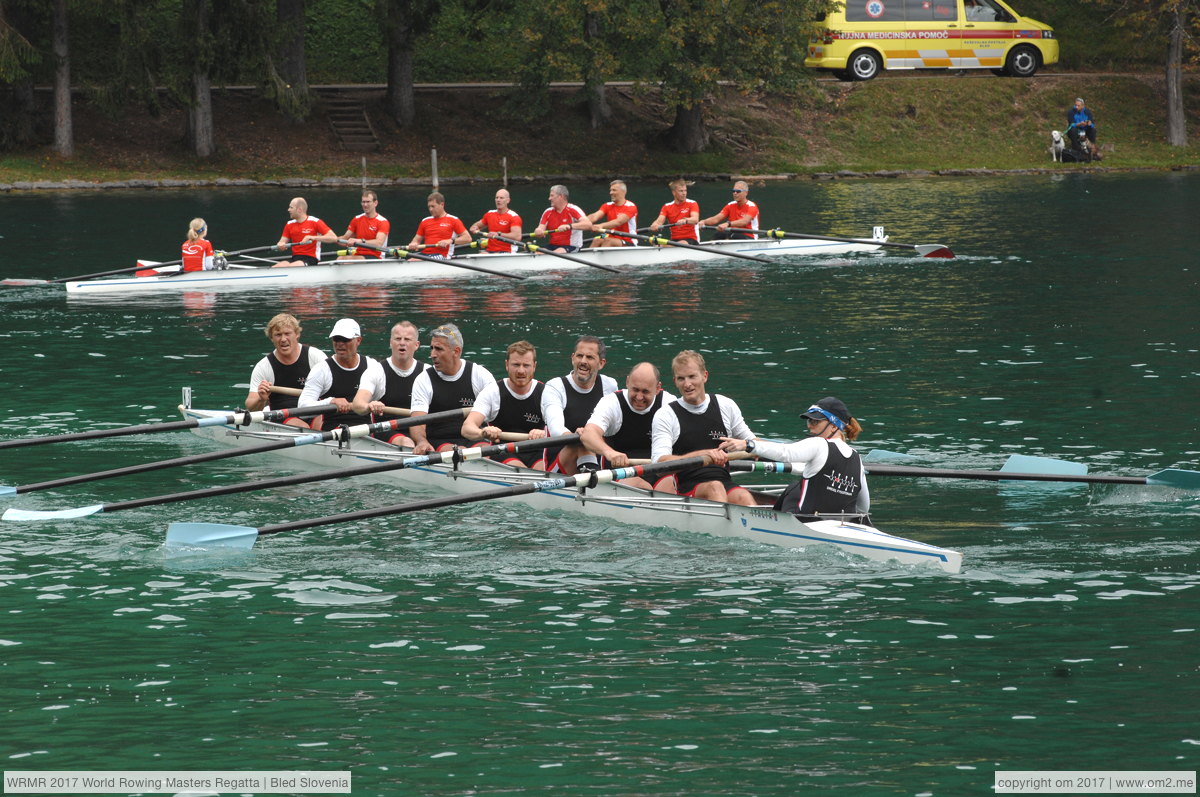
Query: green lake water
{"x": 493, "y": 650}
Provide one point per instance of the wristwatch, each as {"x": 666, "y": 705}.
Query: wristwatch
{"x": 749, "y": 446}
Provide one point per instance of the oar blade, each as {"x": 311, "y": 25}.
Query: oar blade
{"x": 210, "y": 535}
{"x": 17, "y": 282}
{"x": 1174, "y": 477}
{"x": 15, "y": 513}
{"x": 7, "y": 490}
{"x": 934, "y": 250}
{"x": 1024, "y": 463}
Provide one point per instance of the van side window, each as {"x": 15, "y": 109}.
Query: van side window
{"x": 929, "y": 10}
{"x": 875, "y": 10}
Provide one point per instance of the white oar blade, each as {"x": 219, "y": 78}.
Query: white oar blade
{"x": 880, "y": 455}
{"x": 1023, "y": 463}
{"x": 1174, "y": 477}
{"x": 6, "y": 490}
{"x": 934, "y": 250}
{"x": 13, "y": 513}
{"x": 209, "y": 535}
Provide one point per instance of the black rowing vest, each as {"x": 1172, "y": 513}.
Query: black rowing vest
{"x": 344, "y": 385}
{"x": 398, "y": 391}
{"x": 834, "y": 488}
{"x": 697, "y": 433}
{"x": 634, "y": 438}
{"x": 288, "y": 376}
{"x": 520, "y": 414}
{"x": 580, "y": 405}
{"x": 449, "y": 395}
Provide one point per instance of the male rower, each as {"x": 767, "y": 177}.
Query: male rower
{"x": 619, "y": 428}
{"x": 568, "y": 402}
{"x": 739, "y": 218}
{"x": 564, "y": 221}
{"x": 681, "y": 213}
{"x": 400, "y": 371}
{"x": 348, "y": 380}
{"x": 368, "y": 227}
{"x": 439, "y": 232}
{"x": 287, "y": 365}
{"x": 695, "y": 426}
{"x": 304, "y": 234}
{"x": 514, "y": 404}
{"x": 499, "y": 222}
{"x": 451, "y": 383}
{"x": 620, "y": 216}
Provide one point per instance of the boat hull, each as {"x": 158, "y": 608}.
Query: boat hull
{"x": 610, "y": 501}
{"x": 401, "y": 271}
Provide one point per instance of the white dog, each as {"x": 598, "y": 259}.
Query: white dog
{"x": 1056, "y": 146}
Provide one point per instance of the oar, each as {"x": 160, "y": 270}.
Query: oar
{"x": 224, "y": 535}
{"x": 240, "y": 418}
{"x": 444, "y": 458}
{"x": 129, "y": 270}
{"x": 708, "y": 249}
{"x": 924, "y": 250}
{"x": 543, "y": 250}
{"x": 399, "y": 252}
{"x": 361, "y": 430}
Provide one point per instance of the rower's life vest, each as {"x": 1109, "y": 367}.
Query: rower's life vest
{"x": 398, "y": 390}
{"x": 344, "y": 384}
{"x": 833, "y": 489}
{"x": 292, "y": 375}
{"x": 449, "y": 395}
{"x": 580, "y": 405}
{"x": 698, "y": 432}
{"x": 634, "y": 438}
{"x": 520, "y": 414}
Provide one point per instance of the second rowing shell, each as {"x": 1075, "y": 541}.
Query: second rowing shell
{"x": 244, "y": 276}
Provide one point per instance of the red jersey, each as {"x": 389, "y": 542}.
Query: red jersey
{"x": 676, "y": 211}
{"x": 552, "y": 218}
{"x": 296, "y": 230}
{"x": 733, "y": 212}
{"x": 502, "y": 222}
{"x": 197, "y": 255}
{"x": 612, "y": 211}
{"x": 365, "y": 228}
{"x": 438, "y": 234}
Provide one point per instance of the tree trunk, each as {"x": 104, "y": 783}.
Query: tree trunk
{"x": 64, "y": 135}
{"x": 200, "y": 116}
{"x": 293, "y": 66}
{"x": 593, "y": 82}
{"x": 689, "y": 134}
{"x": 1176, "y": 119}
{"x": 401, "y": 102}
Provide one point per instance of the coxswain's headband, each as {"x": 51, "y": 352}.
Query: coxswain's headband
{"x": 829, "y": 416}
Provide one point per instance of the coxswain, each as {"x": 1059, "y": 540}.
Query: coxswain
{"x": 681, "y": 214}
{"x": 619, "y": 428}
{"x": 449, "y": 383}
{"x": 400, "y": 371}
{"x": 739, "y": 218}
{"x": 834, "y": 482}
{"x": 303, "y": 234}
{"x": 502, "y": 221}
{"x": 564, "y": 221}
{"x": 369, "y": 227}
{"x": 348, "y": 380}
{"x": 288, "y": 365}
{"x": 619, "y": 216}
{"x": 694, "y": 426}
{"x": 439, "y": 232}
{"x": 568, "y": 402}
{"x": 513, "y": 404}
{"x": 197, "y": 250}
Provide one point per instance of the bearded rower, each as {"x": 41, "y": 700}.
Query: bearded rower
{"x": 514, "y": 404}
{"x": 569, "y": 400}
{"x": 450, "y": 383}
{"x": 619, "y": 428}
{"x": 349, "y": 380}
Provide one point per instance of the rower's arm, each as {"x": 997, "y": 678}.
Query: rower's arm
{"x": 713, "y": 221}
{"x": 472, "y": 427}
{"x": 417, "y": 433}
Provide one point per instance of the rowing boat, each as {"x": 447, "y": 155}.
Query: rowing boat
{"x": 614, "y": 501}
{"x": 259, "y": 275}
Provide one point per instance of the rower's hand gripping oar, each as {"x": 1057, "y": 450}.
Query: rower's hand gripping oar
{"x": 224, "y": 535}
{"x": 719, "y": 252}
{"x": 445, "y": 457}
{"x": 348, "y": 433}
{"x": 242, "y": 418}
{"x": 924, "y": 250}
{"x": 401, "y": 253}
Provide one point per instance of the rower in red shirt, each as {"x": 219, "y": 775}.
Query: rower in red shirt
{"x": 305, "y": 234}
{"x": 368, "y": 227}
{"x": 739, "y": 218}
{"x": 619, "y": 215}
{"x": 501, "y": 221}
{"x": 682, "y": 214}
{"x": 438, "y": 232}
{"x": 197, "y": 251}
{"x": 564, "y": 221}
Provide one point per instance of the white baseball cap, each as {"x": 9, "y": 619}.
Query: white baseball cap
{"x": 346, "y": 328}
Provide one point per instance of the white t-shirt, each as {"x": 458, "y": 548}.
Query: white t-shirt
{"x": 554, "y": 401}
{"x": 320, "y": 379}
{"x": 487, "y": 401}
{"x": 813, "y": 452}
{"x": 608, "y": 418}
{"x": 664, "y": 429}
{"x": 422, "y": 392}
{"x": 263, "y": 372}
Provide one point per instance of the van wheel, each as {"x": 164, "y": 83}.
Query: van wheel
{"x": 1022, "y": 61}
{"x": 864, "y": 65}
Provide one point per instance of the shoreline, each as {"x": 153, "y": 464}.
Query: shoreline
{"x": 341, "y": 182}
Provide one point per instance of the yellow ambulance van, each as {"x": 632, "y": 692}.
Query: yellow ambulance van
{"x": 863, "y": 37}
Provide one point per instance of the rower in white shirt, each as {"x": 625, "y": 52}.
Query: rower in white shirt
{"x": 568, "y": 401}
{"x": 348, "y": 380}
{"x": 450, "y": 383}
{"x": 514, "y": 404}
{"x": 619, "y": 428}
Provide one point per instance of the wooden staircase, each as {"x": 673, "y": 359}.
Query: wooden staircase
{"x": 348, "y": 119}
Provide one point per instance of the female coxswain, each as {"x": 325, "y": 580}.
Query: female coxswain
{"x": 197, "y": 251}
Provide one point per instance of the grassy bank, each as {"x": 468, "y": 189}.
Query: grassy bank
{"x": 907, "y": 123}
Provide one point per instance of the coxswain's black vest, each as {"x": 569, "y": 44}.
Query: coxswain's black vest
{"x": 697, "y": 433}
{"x": 449, "y": 395}
{"x": 288, "y": 376}
{"x": 344, "y": 385}
{"x": 398, "y": 392}
{"x": 834, "y": 488}
{"x": 634, "y": 438}
{"x": 520, "y": 414}
{"x": 580, "y": 405}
